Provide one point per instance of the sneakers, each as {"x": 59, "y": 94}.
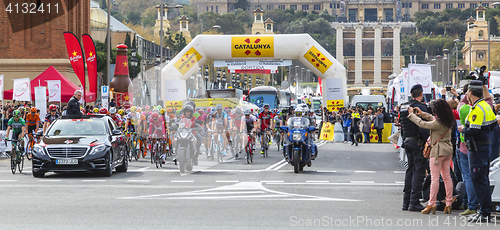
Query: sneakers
{"x": 479, "y": 218}
{"x": 468, "y": 212}
{"x": 262, "y": 152}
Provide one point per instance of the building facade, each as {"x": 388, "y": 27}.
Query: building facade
{"x": 30, "y": 43}
{"x": 350, "y": 10}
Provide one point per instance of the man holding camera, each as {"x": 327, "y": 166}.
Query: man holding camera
{"x": 413, "y": 142}
{"x": 479, "y": 125}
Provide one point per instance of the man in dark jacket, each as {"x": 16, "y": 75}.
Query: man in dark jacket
{"x": 74, "y": 104}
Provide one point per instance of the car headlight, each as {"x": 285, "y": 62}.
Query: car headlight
{"x": 297, "y": 136}
{"x": 38, "y": 150}
{"x": 96, "y": 149}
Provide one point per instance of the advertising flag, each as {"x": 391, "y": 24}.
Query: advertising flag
{"x": 76, "y": 57}
{"x": 41, "y": 100}
{"x": 91, "y": 58}
{"x": 22, "y": 90}
{"x": 420, "y": 74}
{"x": 54, "y": 90}
{"x": 1, "y": 87}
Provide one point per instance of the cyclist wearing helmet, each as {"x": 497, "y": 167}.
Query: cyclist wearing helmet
{"x": 187, "y": 112}
{"x": 219, "y": 125}
{"x": 103, "y": 111}
{"x": 236, "y": 125}
{"x": 50, "y": 117}
{"x": 133, "y": 119}
{"x": 249, "y": 123}
{"x": 17, "y": 125}
{"x": 95, "y": 110}
{"x": 157, "y": 130}
{"x": 32, "y": 121}
{"x": 116, "y": 117}
{"x": 266, "y": 122}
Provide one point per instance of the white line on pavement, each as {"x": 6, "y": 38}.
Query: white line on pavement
{"x": 363, "y": 181}
{"x": 364, "y": 171}
{"x": 399, "y": 182}
{"x": 281, "y": 166}
{"x": 317, "y": 181}
{"x": 48, "y": 180}
{"x": 326, "y": 171}
{"x": 8, "y": 180}
{"x": 333, "y": 183}
{"x": 93, "y": 180}
{"x": 226, "y": 181}
{"x": 399, "y": 172}
{"x": 143, "y": 169}
{"x": 272, "y": 181}
{"x": 274, "y": 165}
{"x": 182, "y": 181}
{"x": 138, "y": 180}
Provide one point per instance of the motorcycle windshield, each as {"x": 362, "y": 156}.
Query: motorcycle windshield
{"x": 185, "y": 123}
{"x": 298, "y": 123}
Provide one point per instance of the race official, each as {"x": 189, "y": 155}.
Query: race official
{"x": 413, "y": 142}
{"x": 478, "y": 128}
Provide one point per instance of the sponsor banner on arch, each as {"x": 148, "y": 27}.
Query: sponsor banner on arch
{"x": 252, "y": 46}
{"x": 334, "y": 93}
{"x": 54, "y": 90}
{"x": 22, "y": 90}
{"x": 420, "y": 74}
{"x": 317, "y": 59}
{"x": 188, "y": 60}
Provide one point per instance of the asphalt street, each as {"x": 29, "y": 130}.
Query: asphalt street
{"x": 347, "y": 187}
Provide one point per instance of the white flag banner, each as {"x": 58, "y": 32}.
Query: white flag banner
{"x": 420, "y": 74}
{"x": 22, "y": 90}
{"x": 1, "y": 87}
{"x": 403, "y": 86}
{"x": 41, "y": 100}
{"x": 54, "y": 90}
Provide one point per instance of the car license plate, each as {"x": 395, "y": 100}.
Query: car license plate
{"x": 66, "y": 161}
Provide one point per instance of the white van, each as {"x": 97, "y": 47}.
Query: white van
{"x": 368, "y": 100}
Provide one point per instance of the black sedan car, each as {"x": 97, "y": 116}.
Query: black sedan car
{"x": 89, "y": 143}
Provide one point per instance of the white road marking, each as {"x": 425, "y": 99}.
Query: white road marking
{"x": 399, "y": 172}
{"x": 182, "y": 181}
{"x": 363, "y": 181}
{"x": 8, "y": 180}
{"x": 93, "y": 180}
{"x": 272, "y": 181}
{"x": 143, "y": 169}
{"x": 334, "y": 183}
{"x": 139, "y": 181}
{"x": 227, "y": 181}
{"x": 274, "y": 165}
{"x": 399, "y": 182}
{"x": 239, "y": 191}
{"x": 48, "y": 180}
{"x": 364, "y": 171}
{"x": 281, "y": 166}
{"x": 317, "y": 181}
{"x": 326, "y": 171}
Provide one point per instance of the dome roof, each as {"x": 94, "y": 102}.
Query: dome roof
{"x": 98, "y": 19}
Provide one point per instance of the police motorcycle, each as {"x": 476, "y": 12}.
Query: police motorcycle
{"x": 299, "y": 150}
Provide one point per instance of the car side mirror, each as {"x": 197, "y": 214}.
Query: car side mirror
{"x": 39, "y": 133}
{"x": 116, "y": 132}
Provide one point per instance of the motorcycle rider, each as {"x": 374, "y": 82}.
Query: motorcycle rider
{"x": 187, "y": 112}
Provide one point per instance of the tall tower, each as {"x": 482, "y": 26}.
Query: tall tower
{"x": 166, "y": 23}
{"x": 269, "y": 26}
{"x": 258, "y": 22}
{"x": 184, "y": 28}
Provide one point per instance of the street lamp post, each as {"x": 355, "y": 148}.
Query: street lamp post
{"x": 456, "y": 65}
{"x": 246, "y": 81}
{"x": 302, "y": 76}
{"x": 133, "y": 62}
{"x": 435, "y": 68}
{"x": 470, "y": 48}
{"x": 446, "y": 56}
{"x": 206, "y": 77}
{"x": 158, "y": 73}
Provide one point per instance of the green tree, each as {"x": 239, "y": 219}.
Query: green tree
{"x": 134, "y": 43}
{"x": 117, "y": 15}
{"x": 149, "y": 17}
{"x": 104, "y": 5}
{"x": 427, "y": 25}
{"x": 242, "y": 4}
{"x": 134, "y": 17}
{"x": 127, "y": 41}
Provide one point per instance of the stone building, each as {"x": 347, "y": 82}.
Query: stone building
{"x": 30, "y": 43}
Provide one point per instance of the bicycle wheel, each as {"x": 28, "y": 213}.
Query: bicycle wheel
{"x": 219, "y": 152}
{"x": 136, "y": 149}
{"x": 13, "y": 161}
{"x": 265, "y": 141}
{"x": 251, "y": 152}
{"x": 152, "y": 153}
{"x": 20, "y": 165}
{"x": 29, "y": 150}
{"x": 248, "y": 150}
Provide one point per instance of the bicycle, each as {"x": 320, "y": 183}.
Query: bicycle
{"x": 29, "y": 148}
{"x": 265, "y": 139}
{"x": 235, "y": 144}
{"x": 249, "y": 148}
{"x": 133, "y": 146}
{"x": 156, "y": 152}
{"x": 16, "y": 157}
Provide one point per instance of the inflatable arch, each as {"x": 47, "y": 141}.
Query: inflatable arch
{"x": 247, "y": 47}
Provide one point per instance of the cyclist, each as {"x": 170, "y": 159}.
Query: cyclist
{"x": 116, "y": 117}
{"x": 236, "y": 126}
{"x": 156, "y": 131}
{"x": 266, "y": 122}
{"x": 132, "y": 123}
{"x": 32, "y": 121}
{"x": 103, "y": 111}
{"x": 143, "y": 125}
{"x": 17, "y": 125}
{"x": 219, "y": 125}
{"x": 248, "y": 123}
{"x": 50, "y": 117}
{"x": 96, "y": 110}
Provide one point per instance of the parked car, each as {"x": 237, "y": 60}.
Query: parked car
{"x": 89, "y": 143}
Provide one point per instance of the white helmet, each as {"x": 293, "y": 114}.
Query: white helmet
{"x": 299, "y": 111}
{"x": 112, "y": 110}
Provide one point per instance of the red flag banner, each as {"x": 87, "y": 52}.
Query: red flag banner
{"x": 76, "y": 56}
{"x": 89, "y": 46}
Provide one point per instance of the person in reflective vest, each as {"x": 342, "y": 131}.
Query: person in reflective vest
{"x": 478, "y": 127}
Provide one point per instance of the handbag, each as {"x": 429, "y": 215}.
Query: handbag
{"x": 428, "y": 146}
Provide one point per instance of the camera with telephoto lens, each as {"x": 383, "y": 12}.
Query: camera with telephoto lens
{"x": 478, "y": 74}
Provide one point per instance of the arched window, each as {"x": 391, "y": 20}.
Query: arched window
{"x": 481, "y": 34}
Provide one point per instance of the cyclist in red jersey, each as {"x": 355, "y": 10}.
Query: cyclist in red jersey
{"x": 157, "y": 130}
{"x": 266, "y": 121}
{"x": 116, "y": 117}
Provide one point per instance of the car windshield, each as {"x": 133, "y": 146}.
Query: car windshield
{"x": 365, "y": 105}
{"x": 297, "y": 122}
{"x": 77, "y": 127}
